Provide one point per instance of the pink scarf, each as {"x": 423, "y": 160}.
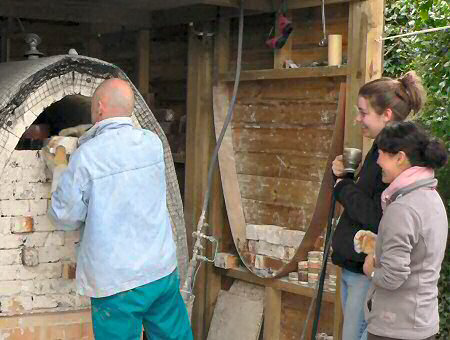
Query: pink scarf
{"x": 407, "y": 177}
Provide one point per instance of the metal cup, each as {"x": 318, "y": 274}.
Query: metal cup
{"x": 351, "y": 157}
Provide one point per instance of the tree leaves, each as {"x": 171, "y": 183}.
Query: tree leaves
{"x": 428, "y": 54}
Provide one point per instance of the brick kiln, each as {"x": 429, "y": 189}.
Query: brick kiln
{"x": 37, "y": 262}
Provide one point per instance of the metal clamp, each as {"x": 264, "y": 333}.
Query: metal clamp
{"x": 210, "y": 239}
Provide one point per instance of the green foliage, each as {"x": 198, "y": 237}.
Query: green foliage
{"x": 429, "y": 55}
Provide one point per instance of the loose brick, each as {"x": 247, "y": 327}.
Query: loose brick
{"x": 9, "y": 273}
{"x": 7, "y": 191}
{"x": 26, "y": 158}
{"x": 268, "y": 263}
{"x": 38, "y": 207}
{"x": 36, "y": 239}
{"x": 12, "y": 173}
{"x": 42, "y": 271}
{"x": 22, "y": 224}
{"x": 251, "y": 232}
{"x": 11, "y": 241}
{"x": 15, "y": 207}
{"x": 5, "y": 225}
{"x": 289, "y": 252}
{"x": 69, "y": 269}
{"x": 10, "y": 288}
{"x": 43, "y": 190}
{"x": 43, "y": 302}
{"x": 253, "y": 246}
{"x": 24, "y": 191}
{"x": 34, "y": 175}
{"x": 65, "y": 300}
{"x": 16, "y": 304}
{"x": 270, "y": 233}
{"x": 48, "y": 286}
{"x": 273, "y": 250}
{"x": 226, "y": 261}
{"x": 43, "y": 223}
{"x": 30, "y": 257}
{"x": 8, "y": 257}
{"x": 55, "y": 238}
{"x": 291, "y": 238}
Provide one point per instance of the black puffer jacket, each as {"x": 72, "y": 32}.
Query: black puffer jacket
{"x": 362, "y": 211}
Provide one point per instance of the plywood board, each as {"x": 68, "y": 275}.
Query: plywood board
{"x": 236, "y": 317}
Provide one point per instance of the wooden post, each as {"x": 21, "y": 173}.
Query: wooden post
{"x": 198, "y": 150}
{"x": 364, "y": 58}
{"x": 6, "y": 41}
{"x": 272, "y": 314}
{"x": 143, "y": 63}
{"x": 217, "y": 211}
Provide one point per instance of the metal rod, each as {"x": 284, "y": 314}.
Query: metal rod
{"x": 428, "y": 30}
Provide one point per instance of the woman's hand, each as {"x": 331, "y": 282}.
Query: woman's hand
{"x": 369, "y": 265}
{"x": 338, "y": 166}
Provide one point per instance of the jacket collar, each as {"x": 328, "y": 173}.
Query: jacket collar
{"x": 103, "y": 126}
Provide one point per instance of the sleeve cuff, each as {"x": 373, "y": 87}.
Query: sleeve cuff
{"x": 338, "y": 188}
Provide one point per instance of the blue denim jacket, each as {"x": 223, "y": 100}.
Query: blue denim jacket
{"x": 115, "y": 189}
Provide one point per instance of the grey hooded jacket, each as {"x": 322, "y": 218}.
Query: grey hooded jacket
{"x": 409, "y": 251}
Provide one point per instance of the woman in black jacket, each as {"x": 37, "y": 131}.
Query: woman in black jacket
{"x": 379, "y": 101}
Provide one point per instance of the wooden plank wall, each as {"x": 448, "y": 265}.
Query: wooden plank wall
{"x": 282, "y": 131}
{"x": 305, "y": 37}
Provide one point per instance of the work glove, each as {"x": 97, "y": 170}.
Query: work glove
{"x": 364, "y": 242}
{"x": 56, "y": 163}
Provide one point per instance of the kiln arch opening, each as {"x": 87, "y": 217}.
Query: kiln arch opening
{"x": 70, "y": 111}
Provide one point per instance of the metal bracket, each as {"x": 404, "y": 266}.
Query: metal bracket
{"x": 210, "y": 239}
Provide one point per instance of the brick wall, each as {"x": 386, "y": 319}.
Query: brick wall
{"x": 51, "y": 326}
{"x": 36, "y": 261}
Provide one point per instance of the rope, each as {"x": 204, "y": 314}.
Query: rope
{"x": 414, "y": 33}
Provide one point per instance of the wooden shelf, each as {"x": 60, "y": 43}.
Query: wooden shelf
{"x": 287, "y": 73}
{"x": 280, "y": 284}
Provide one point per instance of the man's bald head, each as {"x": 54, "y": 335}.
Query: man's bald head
{"x": 112, "y": 98}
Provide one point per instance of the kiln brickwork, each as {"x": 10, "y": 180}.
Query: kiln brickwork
{"x": 32, "y": 252}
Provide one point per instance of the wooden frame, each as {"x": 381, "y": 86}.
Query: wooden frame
{"x": 361, "y": 67}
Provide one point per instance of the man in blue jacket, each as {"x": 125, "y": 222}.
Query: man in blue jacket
{"x": 114, "y": 188}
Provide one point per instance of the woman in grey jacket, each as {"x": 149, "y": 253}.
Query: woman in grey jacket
{"x": 402, "y": 300}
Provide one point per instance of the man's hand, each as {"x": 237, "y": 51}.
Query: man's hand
{"x": 338, "y": 166}
{"x": 369, "y": 265}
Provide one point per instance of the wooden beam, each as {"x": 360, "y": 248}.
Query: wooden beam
{"x": 217, "y": 211}
{"x": 272, "y": 314}
{"x": 6, "y": 40}
{"x": 199, "y": 139}
{"x": 272, "y": 6}
{"x": 302, "y": 72}
{"x": 143, "y": 62}
{"x": 80, "y": 12}
{"x": 364, "y": 59}
{"x": 280, "y": 284}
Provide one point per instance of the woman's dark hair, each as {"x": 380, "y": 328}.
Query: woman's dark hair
{"x": 401, "y": 95}
{"x": 413, "y": 140}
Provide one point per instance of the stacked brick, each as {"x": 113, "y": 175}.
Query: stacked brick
{"x": 37, "y": 262}
{"x": 270, "y": 245}
{"x": 309, "y": 271}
